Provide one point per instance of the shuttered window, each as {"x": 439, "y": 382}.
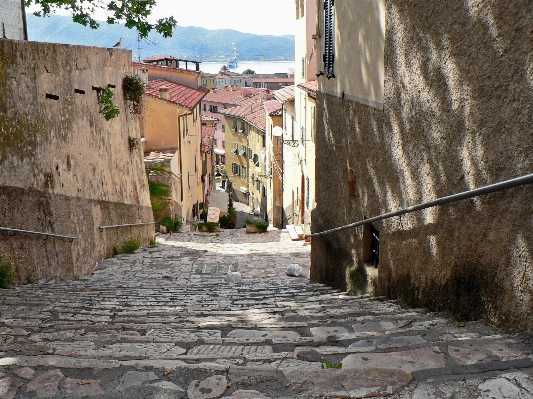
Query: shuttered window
{"x": 329, "y": 38}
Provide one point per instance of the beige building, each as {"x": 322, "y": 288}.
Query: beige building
{"x": 274, "y": 167}
{"x": 417, "y": 101}
{"x": 292, "y": 168}
{"x": 172, "y": 121}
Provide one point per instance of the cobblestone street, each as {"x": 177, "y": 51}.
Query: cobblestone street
{"x": 163, "y": 323}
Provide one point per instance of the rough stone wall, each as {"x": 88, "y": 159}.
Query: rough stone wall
{"x": 11, "y": 20}
{"x": 457, "y": 115}
{"x": 64, "y": 169}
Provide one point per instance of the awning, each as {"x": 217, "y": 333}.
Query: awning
{"x": 219, "y": 152}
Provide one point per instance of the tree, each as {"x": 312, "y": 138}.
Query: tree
{"x": 224, "y": 68}
{"x": 249, "y": 72}
{"x": 133, "y": 13}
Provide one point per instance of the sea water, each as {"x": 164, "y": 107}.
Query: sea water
{"x": 260, "y": 67}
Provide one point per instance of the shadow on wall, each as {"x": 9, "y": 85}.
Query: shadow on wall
{"x": 458, "y": 106}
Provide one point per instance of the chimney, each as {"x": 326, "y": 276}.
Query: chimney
{"x": 163, "y": 92}
{"x": 142, "y": 73}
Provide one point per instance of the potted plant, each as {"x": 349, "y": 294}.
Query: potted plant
{"x": 256, "y": 227}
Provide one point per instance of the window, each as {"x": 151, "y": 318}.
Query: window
{"x": 329, "y": 38}
{"x": 224, "y": 128}
{"x": 223, "y": 143}
{"x": 250, "y": 153}
{"x": 234, "y": 128}
{"x": 194, "y": 115}
{"x": 184, "y": 127}
{"x": 256, "y": 160}
{"x": 204, "y": 107}
{"x": 243, "y": 172}
{"x": 264, "y": 192}
{"x": 242, "y": 130}
{"x": 213, "y": 109}
{"x": 243, "y": 151}
{"x": 264, "y": 140}
{"x": 313, "y": 123}
{"x": 235, "y": 148}
{"x": 258, "y": 185}
{"x": 236, "y": 169}
{"x": 215, "y": 142}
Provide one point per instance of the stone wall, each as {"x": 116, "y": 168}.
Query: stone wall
{"x": 12, "y": 20}
{"x": 64, "y": 169}
{"x": 457, "y": 115}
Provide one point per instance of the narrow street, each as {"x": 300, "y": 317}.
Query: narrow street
{"x": 163, "y": 323}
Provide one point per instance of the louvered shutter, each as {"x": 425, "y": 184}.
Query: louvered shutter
{"x": 329, "y": 37}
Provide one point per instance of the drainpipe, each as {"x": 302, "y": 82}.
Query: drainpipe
{"x": 24, "y": 24}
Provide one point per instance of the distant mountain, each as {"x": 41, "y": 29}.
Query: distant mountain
{"x": 187, "y": 42}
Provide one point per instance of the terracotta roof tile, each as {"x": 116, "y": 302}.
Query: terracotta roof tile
{"x": 168, "y": 68}
{"x": 181, "y": 95}
{"x": 285, "y": 94}
{"x": 273, "y": 80}
{"x": 310, "y": 87}
{"x": 273, "y": 107}
{"x": 160, "y": 156}
{"x": 258, "y": 119}
{"x": 231, "y": 95}
{"x": 208, "y": 132}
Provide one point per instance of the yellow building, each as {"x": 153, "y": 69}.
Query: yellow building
{"x": 172, "y": 121}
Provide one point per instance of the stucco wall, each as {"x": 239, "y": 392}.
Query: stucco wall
{"x": 64, "y": 169}
{"x": 457, "y": 112}
{"x": 358, "y": 47}
{"x": 12, "y": 20}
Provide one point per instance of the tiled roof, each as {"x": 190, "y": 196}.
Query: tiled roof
{"x": 227, "y": 74}
{"x": 273, "y": 80}
{"x": 310, "y": 87}
{"x": 273, "y": 107}
{"x": 285, "y": 94}
{"x": 181, "y": 95}
{"x": 208, "y": 132}
{"x": 160, "y": 156}
{"x": 164, "y": 67}
{"x": 258, "y": 119}
{"x": 231, "y": 95}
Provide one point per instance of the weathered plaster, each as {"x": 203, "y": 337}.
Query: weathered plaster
{"x": 64, "y": 169}
{"x": 457, "y": 115}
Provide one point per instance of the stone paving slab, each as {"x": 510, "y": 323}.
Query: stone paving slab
{"x": 151, "y": 325}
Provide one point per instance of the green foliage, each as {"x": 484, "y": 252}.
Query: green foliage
{"x": 134, "y": 13}
{"x": 153, "y": 243}
{"x": 133, "y": 92}
{"x": 133, "y": 143}
{"x": 107, "y": 108}
{"x": 209, "y": 226}
{"x": 248, "y": 72}
{"x": 328, "y": 365}
{"x": 131, "y": 245}
{"x": 172, "y": 225}
{"x": 159, "y": 191}
{"x": 7, "y": 276}
{"x": 261, "y": 226}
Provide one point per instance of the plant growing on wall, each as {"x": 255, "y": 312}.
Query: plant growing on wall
{"x": 105, "y": 99}
{"x": 133, "y": 143}
{"x": 133, "y": 92}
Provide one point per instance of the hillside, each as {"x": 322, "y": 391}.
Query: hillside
{"x": 187, "y": 43}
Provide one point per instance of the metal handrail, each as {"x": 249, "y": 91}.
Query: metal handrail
{"x": 124, "y": 225}
{"x": 491, "y": 188}
{"x": 37, "y": 233}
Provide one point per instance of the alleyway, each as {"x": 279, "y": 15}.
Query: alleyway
{"x": 162, "y": 323}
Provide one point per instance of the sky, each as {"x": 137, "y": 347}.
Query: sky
{"x": 262, "y": 17}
